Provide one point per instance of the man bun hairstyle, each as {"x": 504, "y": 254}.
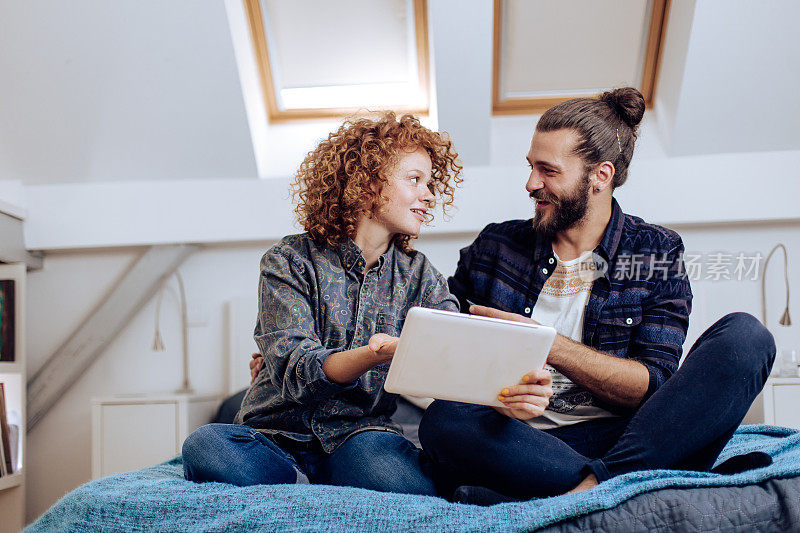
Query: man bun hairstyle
{"x": 607, "y": 126}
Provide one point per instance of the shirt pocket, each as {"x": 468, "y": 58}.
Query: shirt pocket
{"x": 372, "y": 380}
{"x": 388, "y": 323}
{"x": 616, "y": 328}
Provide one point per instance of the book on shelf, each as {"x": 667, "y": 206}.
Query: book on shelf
{"x": 2, "y": 463}
{"x": 7, "y": 318}
{"x": 5, "y": 435}
{"x": 13, "y": 430}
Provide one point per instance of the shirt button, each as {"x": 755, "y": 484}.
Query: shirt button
{"x": 551, "y": 260}
{"x": 527, "y": 310}
{"x": 544, "y": 271}
{"x": 629, "y": 321}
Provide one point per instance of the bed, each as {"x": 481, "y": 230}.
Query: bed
{"x": 159, "y": 499}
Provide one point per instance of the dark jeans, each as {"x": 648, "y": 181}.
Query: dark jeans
{"x": 684, "y": 425}
{"x": 240, "y": 455}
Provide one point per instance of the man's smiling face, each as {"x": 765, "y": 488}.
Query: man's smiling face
{"x": 559, "y": 182}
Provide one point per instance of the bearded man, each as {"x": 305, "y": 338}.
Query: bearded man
{"x": 611, "y": 399}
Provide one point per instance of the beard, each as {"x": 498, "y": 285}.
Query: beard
{"x": 567, "y": 211}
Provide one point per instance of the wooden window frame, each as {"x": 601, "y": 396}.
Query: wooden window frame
{"x": 537, "y": 105}
{"x": 255, "y": 22}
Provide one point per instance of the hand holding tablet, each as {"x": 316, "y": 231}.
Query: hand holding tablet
{"x": 529, "y": 399}
{"x": 452, "y": 356}
{"x": 522, "y": 401}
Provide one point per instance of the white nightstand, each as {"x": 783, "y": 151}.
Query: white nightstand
{"x": 778, "y": 404}
{"x": 132, "y": 432}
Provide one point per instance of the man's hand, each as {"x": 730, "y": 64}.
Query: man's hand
{"x": 529, "y": 399}
{"x": 614, "y": 380}
{"x": 383, "y": 346}
{"x": 491, "y": 312}
{"x": 255, "y": 366}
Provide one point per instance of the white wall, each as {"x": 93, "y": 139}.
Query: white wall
{"x": 739, "y": 84}
{"x": 98, "y": 91}
{"x": 715, "y": 298}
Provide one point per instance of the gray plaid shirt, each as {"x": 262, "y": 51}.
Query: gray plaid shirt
{"x": 314, "y": 301}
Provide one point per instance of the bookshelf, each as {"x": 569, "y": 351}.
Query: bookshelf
{"x": 12, "y": 376}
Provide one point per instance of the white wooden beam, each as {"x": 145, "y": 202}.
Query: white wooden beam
{"x": 12, "y": 249}
{"x": 251, "y": 210}
{"x": 156, "y": 212}
{"x": 90, "y": 339}
{"x": 250, "y": 82}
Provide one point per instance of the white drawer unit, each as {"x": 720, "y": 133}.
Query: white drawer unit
{"x": 778, "y": 404}
{"x": 132, "y": 432}
{"x": 782, "y": 402}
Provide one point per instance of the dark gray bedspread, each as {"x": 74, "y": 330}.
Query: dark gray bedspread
{"x": 773, "y": 505}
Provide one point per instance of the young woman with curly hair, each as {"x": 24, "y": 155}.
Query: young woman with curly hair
{"x": 332, "y": 301}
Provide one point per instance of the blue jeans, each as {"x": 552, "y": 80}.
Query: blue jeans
{"x": 684, "y": 425}
{"x": 240, "y": 455}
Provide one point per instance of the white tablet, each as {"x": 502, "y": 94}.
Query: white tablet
{"x": 464, "y": 358}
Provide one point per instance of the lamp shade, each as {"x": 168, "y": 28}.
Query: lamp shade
{"x": 785, "y": 320}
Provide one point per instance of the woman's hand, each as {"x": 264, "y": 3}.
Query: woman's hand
{"x": 383, "y": 346}
{"x": 344, "y": 367}
{"x": 255, "y": 366}
{"x": 529, "y": 399}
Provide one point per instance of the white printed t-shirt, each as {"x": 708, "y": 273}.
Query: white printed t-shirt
{"x": 562, "y": 305}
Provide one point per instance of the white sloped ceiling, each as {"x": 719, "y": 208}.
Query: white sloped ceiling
{"x": 124, "y": 90}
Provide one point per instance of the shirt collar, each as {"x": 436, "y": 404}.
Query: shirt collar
{"x": 613, "y": 234}
{"x": 353, "y": 259}
{"x": 543, "y": 247}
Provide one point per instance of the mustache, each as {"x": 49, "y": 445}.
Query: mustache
{"x": 539, "y": 196}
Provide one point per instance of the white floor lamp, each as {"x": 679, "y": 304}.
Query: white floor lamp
{"x": 786, "y": 363}
{"x": 785, "y": 320}
{"x": 158, "y": 341}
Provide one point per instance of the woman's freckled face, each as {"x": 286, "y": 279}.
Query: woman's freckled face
{"x": 407, "y": 194}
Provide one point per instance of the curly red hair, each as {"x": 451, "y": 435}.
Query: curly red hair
{"x": 338, "y": 180}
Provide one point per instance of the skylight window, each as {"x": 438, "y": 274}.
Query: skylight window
{"x": 374, "y": 56}
{"x": 547, "y": 51}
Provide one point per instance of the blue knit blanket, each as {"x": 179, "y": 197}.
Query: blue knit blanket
{"x": 158, "y": 498}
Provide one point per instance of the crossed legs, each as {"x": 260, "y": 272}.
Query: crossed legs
{"x": 685, "y": 424}
{"x": 240, "y": 455}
